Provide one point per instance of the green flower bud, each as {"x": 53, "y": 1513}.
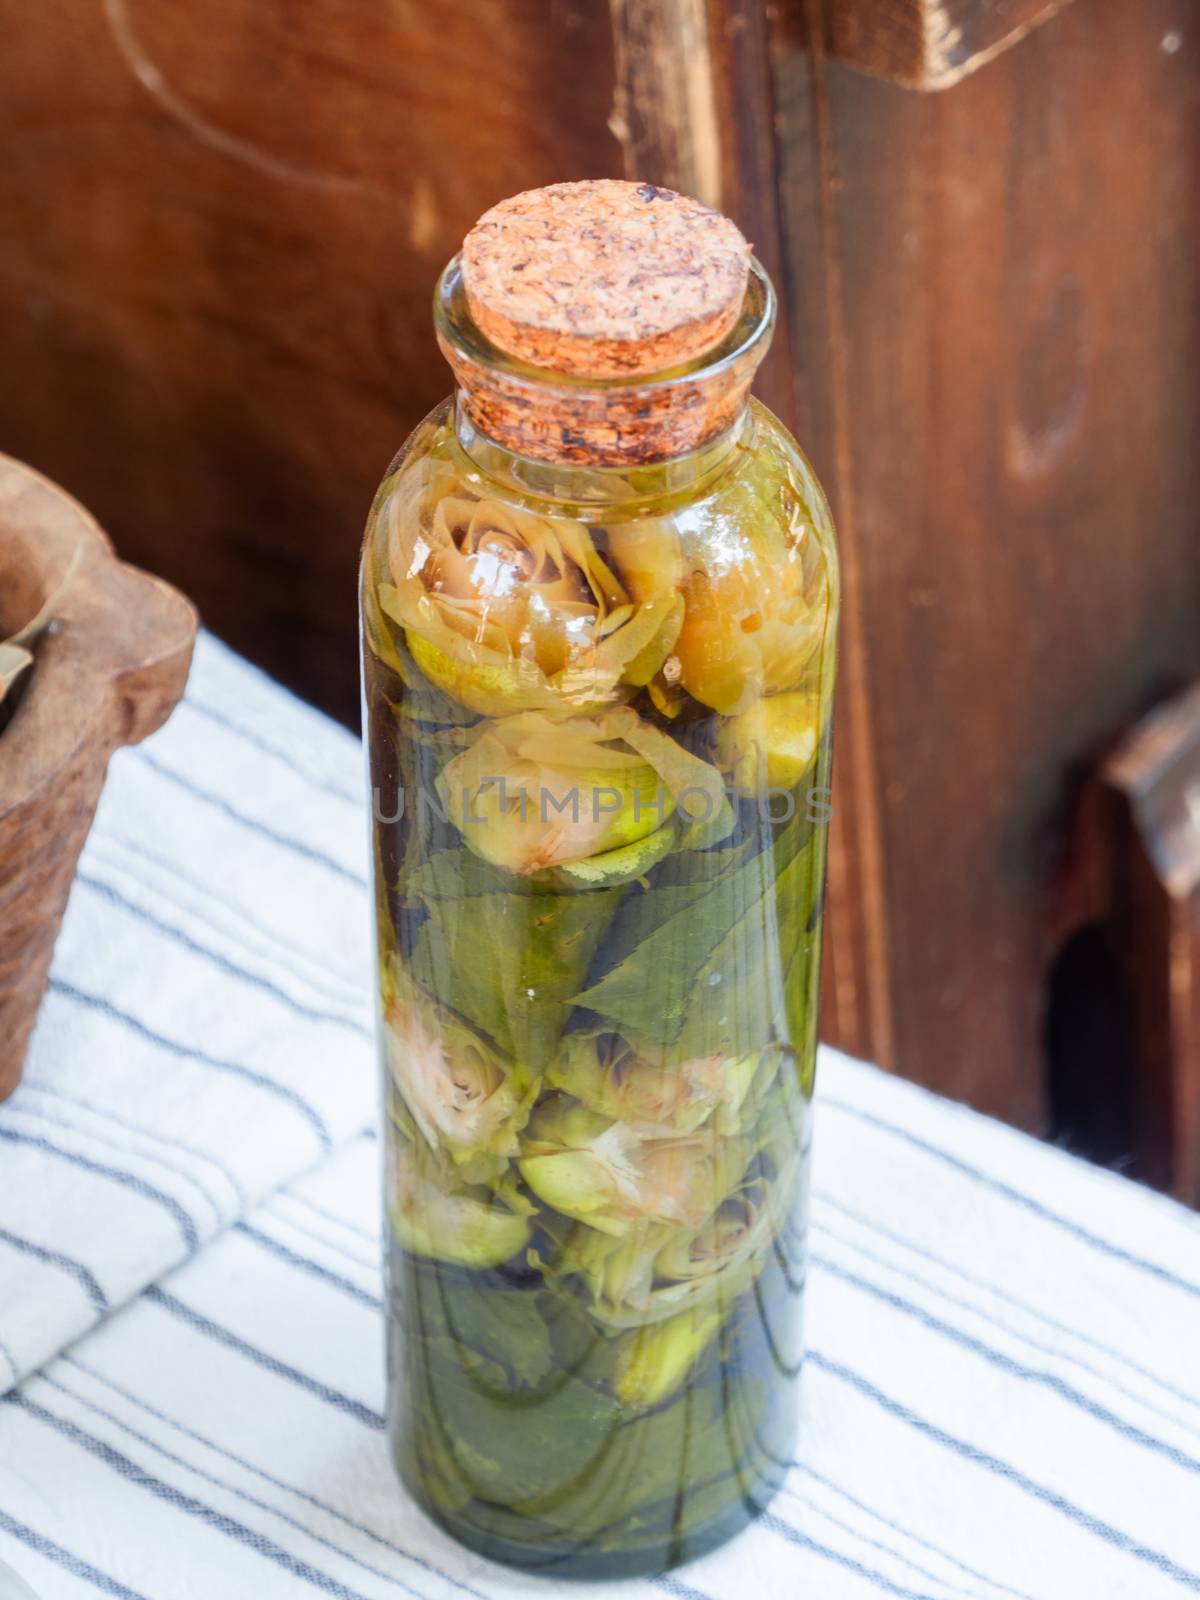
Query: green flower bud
{"x": 462, "y": 1097}
{"x": 610, "y": 1077}
{"x": 570, "y": 1165}
{"x": 657, "y": 1271}
{"x": 614, "y": 1176}
{"x": 468, "y": 1225}
{"x": 505, "y": 611}
{"x": 612, "y": 867}
{"x": 735, "y": 1236}
{"x": 756, "y": 601}
{"x": 531, "y": 794}
{"x": 771, "y": 745}
{"x": 653, "y": 1362}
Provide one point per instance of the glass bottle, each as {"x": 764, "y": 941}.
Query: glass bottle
{"x": 599, "y": 594}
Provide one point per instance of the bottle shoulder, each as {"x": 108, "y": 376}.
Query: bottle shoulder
{"x": 759, "y": 490}
{"x": 711, "y": 592}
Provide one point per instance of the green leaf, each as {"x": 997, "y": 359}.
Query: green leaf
{"x": 509, "y": 962}
{"x": 716, "y": 966}
{"x": 510, "y": 1450}
{"x": 688, "y": 1462}
{"x": 550, "y": 1458}
{"x": 504, "y": 1327}
{"x": 455, "y": 875}
{"x": 688, "y": 869}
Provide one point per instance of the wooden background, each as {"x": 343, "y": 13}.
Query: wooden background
{"x": 223, "y": 224}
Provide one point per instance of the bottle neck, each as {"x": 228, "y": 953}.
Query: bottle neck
{"x": 605, "y": 423}
{"x": 583, "y": 486}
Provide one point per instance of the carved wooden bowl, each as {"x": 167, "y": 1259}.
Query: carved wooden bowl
{"x": 109, "y": 671}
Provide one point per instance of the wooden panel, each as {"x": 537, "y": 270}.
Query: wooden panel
{"x": 996, "y": 287}
{"x": 760, "y": 112}
{"x": 665, "y": 95}
{"x": 1152, "y": 784}
{"x": 223, "y": 226}
{"x": 930, "y": 44}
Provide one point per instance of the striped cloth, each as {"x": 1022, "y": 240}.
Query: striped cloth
{"x": 1002, "y": 1394}
{"x": 207, "y": 1034}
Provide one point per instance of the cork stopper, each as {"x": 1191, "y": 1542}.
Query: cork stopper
{"x": 604, "y": 323}
{"x": 603, "y": 278}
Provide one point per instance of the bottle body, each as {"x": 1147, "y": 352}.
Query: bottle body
{"x": 598, "y": 719}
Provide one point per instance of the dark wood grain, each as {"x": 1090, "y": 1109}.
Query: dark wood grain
{"x": 929, "y": 44}
{"x": 667, "y": 81}
{"x": 1018, "y": 350}
{"x": 223, "y": 227}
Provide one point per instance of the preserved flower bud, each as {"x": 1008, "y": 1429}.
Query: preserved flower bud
{"x": 772, "y": 744}
{"x": 734, "y": 1236}
{"x": 755, "y": 607}
{"x": 613, "y": 1176}
{"x": 610, "y": 1077}
{"x": 506, "y": 611}
{"x": 462, "y": 1097}
{"x": 658, "y": 1271}
{"x": 468, "y": 1225}
{"x": 654, "y": 1361}
{"x": 530, "y": 793}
